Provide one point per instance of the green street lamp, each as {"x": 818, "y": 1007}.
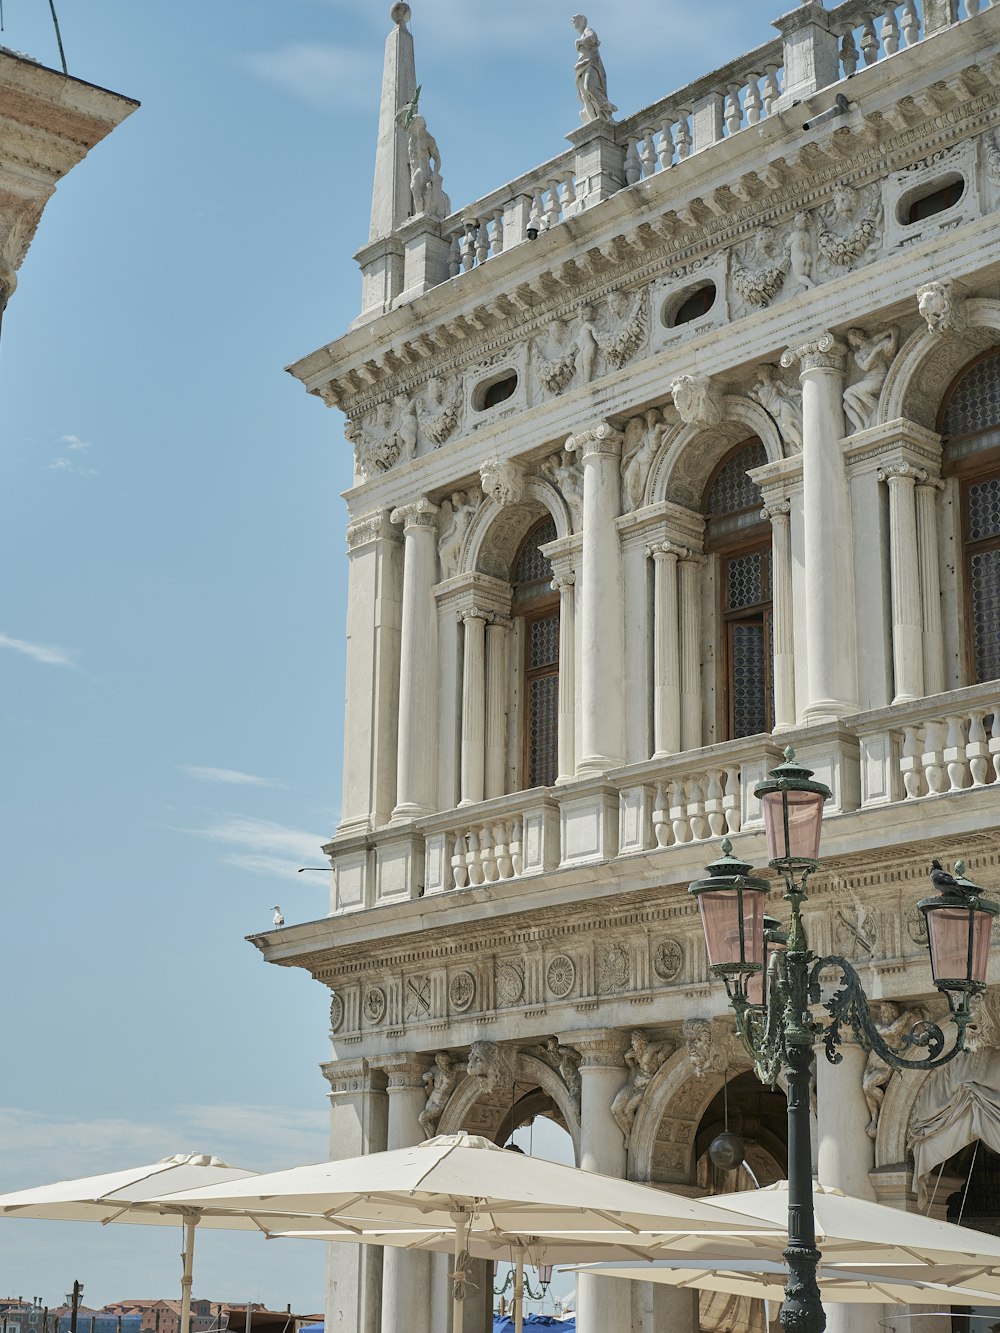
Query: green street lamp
{"x": 772, "y": 978}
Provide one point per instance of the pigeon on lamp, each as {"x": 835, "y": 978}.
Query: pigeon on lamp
{"x": 942, "y": 879}
{"x": 279, "y": 920}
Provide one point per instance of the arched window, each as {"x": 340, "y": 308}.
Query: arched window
{"x": 741, "y": 541}
{"x": 970, "y": 425}
{"x": 537, "y": 606}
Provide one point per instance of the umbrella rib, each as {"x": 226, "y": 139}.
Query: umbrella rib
{"x": 615, "y": 1221}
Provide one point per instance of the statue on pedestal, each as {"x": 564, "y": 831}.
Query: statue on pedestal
{"x": 591, "y": 76}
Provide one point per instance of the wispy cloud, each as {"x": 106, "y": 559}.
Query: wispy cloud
{"x": 323, "y": 75}
{"x": 229, "y": 776}
{"x": 262, "y": 846}
{"x": 72, "y": 444}
{"x": 75, "y": 443}
{"x": 38, "y": 652}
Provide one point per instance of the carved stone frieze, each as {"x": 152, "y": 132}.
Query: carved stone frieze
{"x": 642, "y": 1060}
{"x": 336, "y": 1013}
{"x": 554, "y": 358}
{"x": 462, "y": 991}
{"x": 626, "y": 326}
{"x": 438, "y": 413}
{"x": 565, "y": 1061}
{"x": 849, "y": 226}
{"x": 417, "y": 998}
{"x": 641, "y": 441}
{"x": 698, "y": 401}
{"x": 612, "y": 968}
{"x": 508, "y": 985}
{"x": 560, "y": 976}
{"x": 855, "y": 928}
{"x": 566, "y": 476}
{"x": 373, "y": 1005}
{"x": 759, "y": 267}
{"x": 668, "y": 959}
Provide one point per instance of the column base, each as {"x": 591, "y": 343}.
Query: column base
{"x": 829, "y": 710}
{"x": 596, "y": 766}
{"x": 404, "y": 813}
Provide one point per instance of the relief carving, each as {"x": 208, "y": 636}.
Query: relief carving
{"x": 440, "y": 1083}
{"x": 855, "y": 929}
{"x": 566, "y": 476}
{"x": 759, "y": 268}
{"x": 893, "y": 1022}
{"x": 612, "y": 969}
{"x": 492, "y": 1065}
{"x": 709, "y": 1049}
{"x": 509, "y": 983}
{"x": 439, "y": 415}
{"x": 502, "y": 481}
{"x": 629, "y": 326}
{"x": 462, "y": 991}
{"x": 560, "y": 976}
{"x": 698, "y": 401}
{"x": 457, "y": 512}
{"x": 942, "y": 306}
{"x": 668, "y": 959}
{"x": 565, "y": 1060}
{"x": 849, "y": 225}
{"x": 802, "y": 251}
{"x": 782, "y": 402}
{"x": 641, "y": 441}
{"x": 336, "y": 1013}
{"x": 556, "y": 364}
{"x": 384, "y": 437}
{"x": 643, "y": 1060}
{"x": 873, "y": 356}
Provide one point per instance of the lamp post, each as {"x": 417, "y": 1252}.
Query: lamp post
{"x": 772, "y": 977}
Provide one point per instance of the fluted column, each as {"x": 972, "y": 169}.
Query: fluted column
{"x": 666, "y": 649}
{"x": 602, "y": 667}
{"x": 406, "y": 1282}
{"x": 565, "y": 585}
{"x": 497, "y": 682}
{"x": 930, "y": 584}
{"x": 474, "y": 705}
{"x": 778, "y": 512}
{"x": 358, "y": 1125}
{"x": 416, "y": 773}
{"x": 602, "y": 1305}
{"x": 831, "y": 634}
{"x": 689, "y": 572}
{"x": 904, "y": 581}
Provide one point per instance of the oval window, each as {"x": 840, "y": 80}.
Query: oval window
{"x": 692, "y": 305}
{"x": 495, "y": 391}
{"x": 934, "y": 198}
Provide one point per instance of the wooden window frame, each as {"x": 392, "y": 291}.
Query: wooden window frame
{"x": 531, "y": 602}
{"x": 759, "y": 612}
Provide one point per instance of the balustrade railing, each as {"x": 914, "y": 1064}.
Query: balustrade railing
{"x": 868, "y": 31}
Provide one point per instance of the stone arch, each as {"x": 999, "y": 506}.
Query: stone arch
{"x": 530, "y": 1073}
{"x": 892, "y": 1131}
{"x": 495, "y": 533}
{"x": 670, "y": 1113}
{"x": 927, "y": 363}
{"x": 688, "y": 454}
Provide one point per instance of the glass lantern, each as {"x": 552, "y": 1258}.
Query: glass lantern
{"x": 792, "y": 807}
{"x": 959, "y": 925}
{"x": 732, "y": 907}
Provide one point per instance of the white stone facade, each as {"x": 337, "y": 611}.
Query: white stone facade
{"x": 703, "y": 275}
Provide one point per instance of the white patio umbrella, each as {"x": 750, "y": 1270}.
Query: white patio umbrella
{"x": 467, "y": 1189}
{"x": 141, "y": 1195}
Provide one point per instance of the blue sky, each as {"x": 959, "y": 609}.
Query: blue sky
{"x": 171, "y": 665}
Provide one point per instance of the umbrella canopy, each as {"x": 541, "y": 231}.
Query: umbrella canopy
{"x": 764, "y": 1280}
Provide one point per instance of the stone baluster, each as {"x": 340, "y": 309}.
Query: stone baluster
{"x": 930, "y": 585}
{"x": 733, "y": 112}
{"x": 869, "y": 41}
{"x": 537, "y": 213}
{"x": 831, "y": 634}
{"x": 697, "y": 822}
{"x": 454, "y": 257}
{"x": 497, "y": 679}
{"x": 932, "y": 758}
{"x": 772, "y": 89}
{"x": 496, "y": 241}
{"x": 954, "y": 752}
{"x": 666, "y": 153}
{"x": 689, "y": 596}
{"x": 358, "y": 1125}
{"x": 633, "y": 166}
{"x": 904, "y": 577}
{"x": 779, "y": 513}
{"x": 753, "y": 104}
{"x": 569, "y": 201}
{"x": 406, "y": 1282}
{"x": 666, "y": 650}
{"x": 731, "y": 801}
{"x": 553, "y": 209}
{"x": 995, "y": 740}
{"x": 714, "y": 811}
{"x": 482, "y": 242}
{"x": 910, "y": 764}
{"x": 647, "y": 152}
{"x": 469, "y": 244}
{"x": 602, "y": 636}
{"x": 679, "y": 826}
{"x": 416, "y": 770}
{"x": 910, "y": 23}
{"x": 474, "y": 704}
{"x": 600, "y": 1307}
{"x": 517, "y": 845}
{"x": 661, "y": 816}
{"x": 565, "y": 585}
{"x": 848, "y": 54}
{"x": 977, "y": 750}
{"x": 459, "y": 865}
{"x": 890, "y": 31}
{"x": 683, "y": 136}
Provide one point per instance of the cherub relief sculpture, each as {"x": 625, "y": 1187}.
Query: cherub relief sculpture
{"x": 440, "y": 1084}
{"x": 385, "y": 437}
{"x": 425, "y": 163}
{"x": 782, "y": 402}
{"x": 893, "y": 1022}
{"x": 802, "y": 251}
{"x": 591, "y": 76}
{"x": 874, "y": 356}
{"x": 643, "y": 1059}
{"x": 586, "y": 345}
{"x": 642, "y": 437}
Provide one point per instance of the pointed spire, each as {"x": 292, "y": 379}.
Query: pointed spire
{"x": 391, "y": 194}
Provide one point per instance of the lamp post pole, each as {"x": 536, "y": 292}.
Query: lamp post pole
{"x": 773, "y": 977}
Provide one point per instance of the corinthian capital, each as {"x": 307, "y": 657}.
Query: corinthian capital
{"x": 775, "y": 509}
{"x": 420, "y": 514}
{"x": 821, "y": 353}
{"x": 599, "y": 439}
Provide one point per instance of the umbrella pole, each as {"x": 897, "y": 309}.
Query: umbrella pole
{"x": 459, "y": 1277}
{"x": 519, "y": 1295}
{"x": 187, "y": 1277}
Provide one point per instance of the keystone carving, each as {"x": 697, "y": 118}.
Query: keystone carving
{"x": 492, "y": 1065}
{"x": 503, "y": 482}
{"x": 698, "y": 401}
{"x": 643, "y": 1060}
{"x": 440, "y": 1083}
{"x": 942, "y": 306}
{"x": 709, "y": 1049}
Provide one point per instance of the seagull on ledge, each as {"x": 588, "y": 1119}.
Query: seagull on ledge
{"x": 279, "y": 920}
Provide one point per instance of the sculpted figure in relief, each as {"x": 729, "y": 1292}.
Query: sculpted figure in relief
{"x": 425, "y": 163}
{"x": 556, "y": 364}
{"x": 801, "y": 251}
{"x": 406, "y": 429}
{"x": 591, "y": 76}
{"x": 566, "y": 1061}
{"x": 706, "y": 1050}
{"x": 938, "y": 305}
{"x": 758, "y": 269}
{"x": 698, "y": 401}
{"x": 643, "y": 1059}
{"x": 456, "y": 514}
{"x": 782, "y": 402}
{"x": 566, "y": 475}
{"x": 586, "y": 345}
{"x": 642, "y": 438}
{"x": 440, "y": 1084}
{"x": 503, "y": 482}
{"x": 629, "y": 326}
{"x": 842, "y": 248}
{"x": 873, "y": 356}
{"x": 893, "y": 1022}
{"x": 493, "y": 1065}
{"x": 439, "y": 415}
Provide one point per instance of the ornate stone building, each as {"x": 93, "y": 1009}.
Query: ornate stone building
{"x": 678, "y": 449}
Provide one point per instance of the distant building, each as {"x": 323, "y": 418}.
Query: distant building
{"x": 95, "y": 1321}
{"x": 157, "y": 1316}
{"x": 20, "y": 1316}
{"x": 48, "y": 123}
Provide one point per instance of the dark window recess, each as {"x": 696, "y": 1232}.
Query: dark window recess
{"x": 499, "y": 392}
{"x": 747, "y": 618}
{"x": 945, "y": 196}
{"x": 694, "y": 306}
{"x": 537, "y": 604}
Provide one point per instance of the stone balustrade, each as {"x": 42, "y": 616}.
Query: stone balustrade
{"x": 495, "y": 840}
{"x": 868, "y": 31}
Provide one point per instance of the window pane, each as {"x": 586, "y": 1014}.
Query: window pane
{"x": 732, "y": 490}
{"x": 984, "y": 509}
{"x": 748, "y": 646}
{"x": 975, "y": 404}
{"x": 531, "y": 564}
{"x": 743, "y": 580}
{"x": 543, "y": 648}
{"x": 984, "y": 569}
{"x": 543, "y": 731}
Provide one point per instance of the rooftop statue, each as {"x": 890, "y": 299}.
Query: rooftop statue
{"x": 591, "y": 76}
{"x": 425, "y": 163}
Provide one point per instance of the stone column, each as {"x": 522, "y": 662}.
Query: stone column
{"x": 406, "y": 1281}
{"x": 497, "y": 683}
{"x": 689, "y": 571}
{"x": 666, "y": 650}
{"x": 602, "y": 666}
{"x": 845, "y": 1156}
{"x": 565, "y": 585}
{"x": 904, "y": 581}
{"x": 374, "y": 592}
{"x": 358, "y": 1125}
{"x": 781, "y": 613}
{"x": 474, "y": 705}
{"x": 602, "y": 1305}
{"x": 831, "y": 635}
{"x": 416, "y": 771}
{"x": 930, "y": 584}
